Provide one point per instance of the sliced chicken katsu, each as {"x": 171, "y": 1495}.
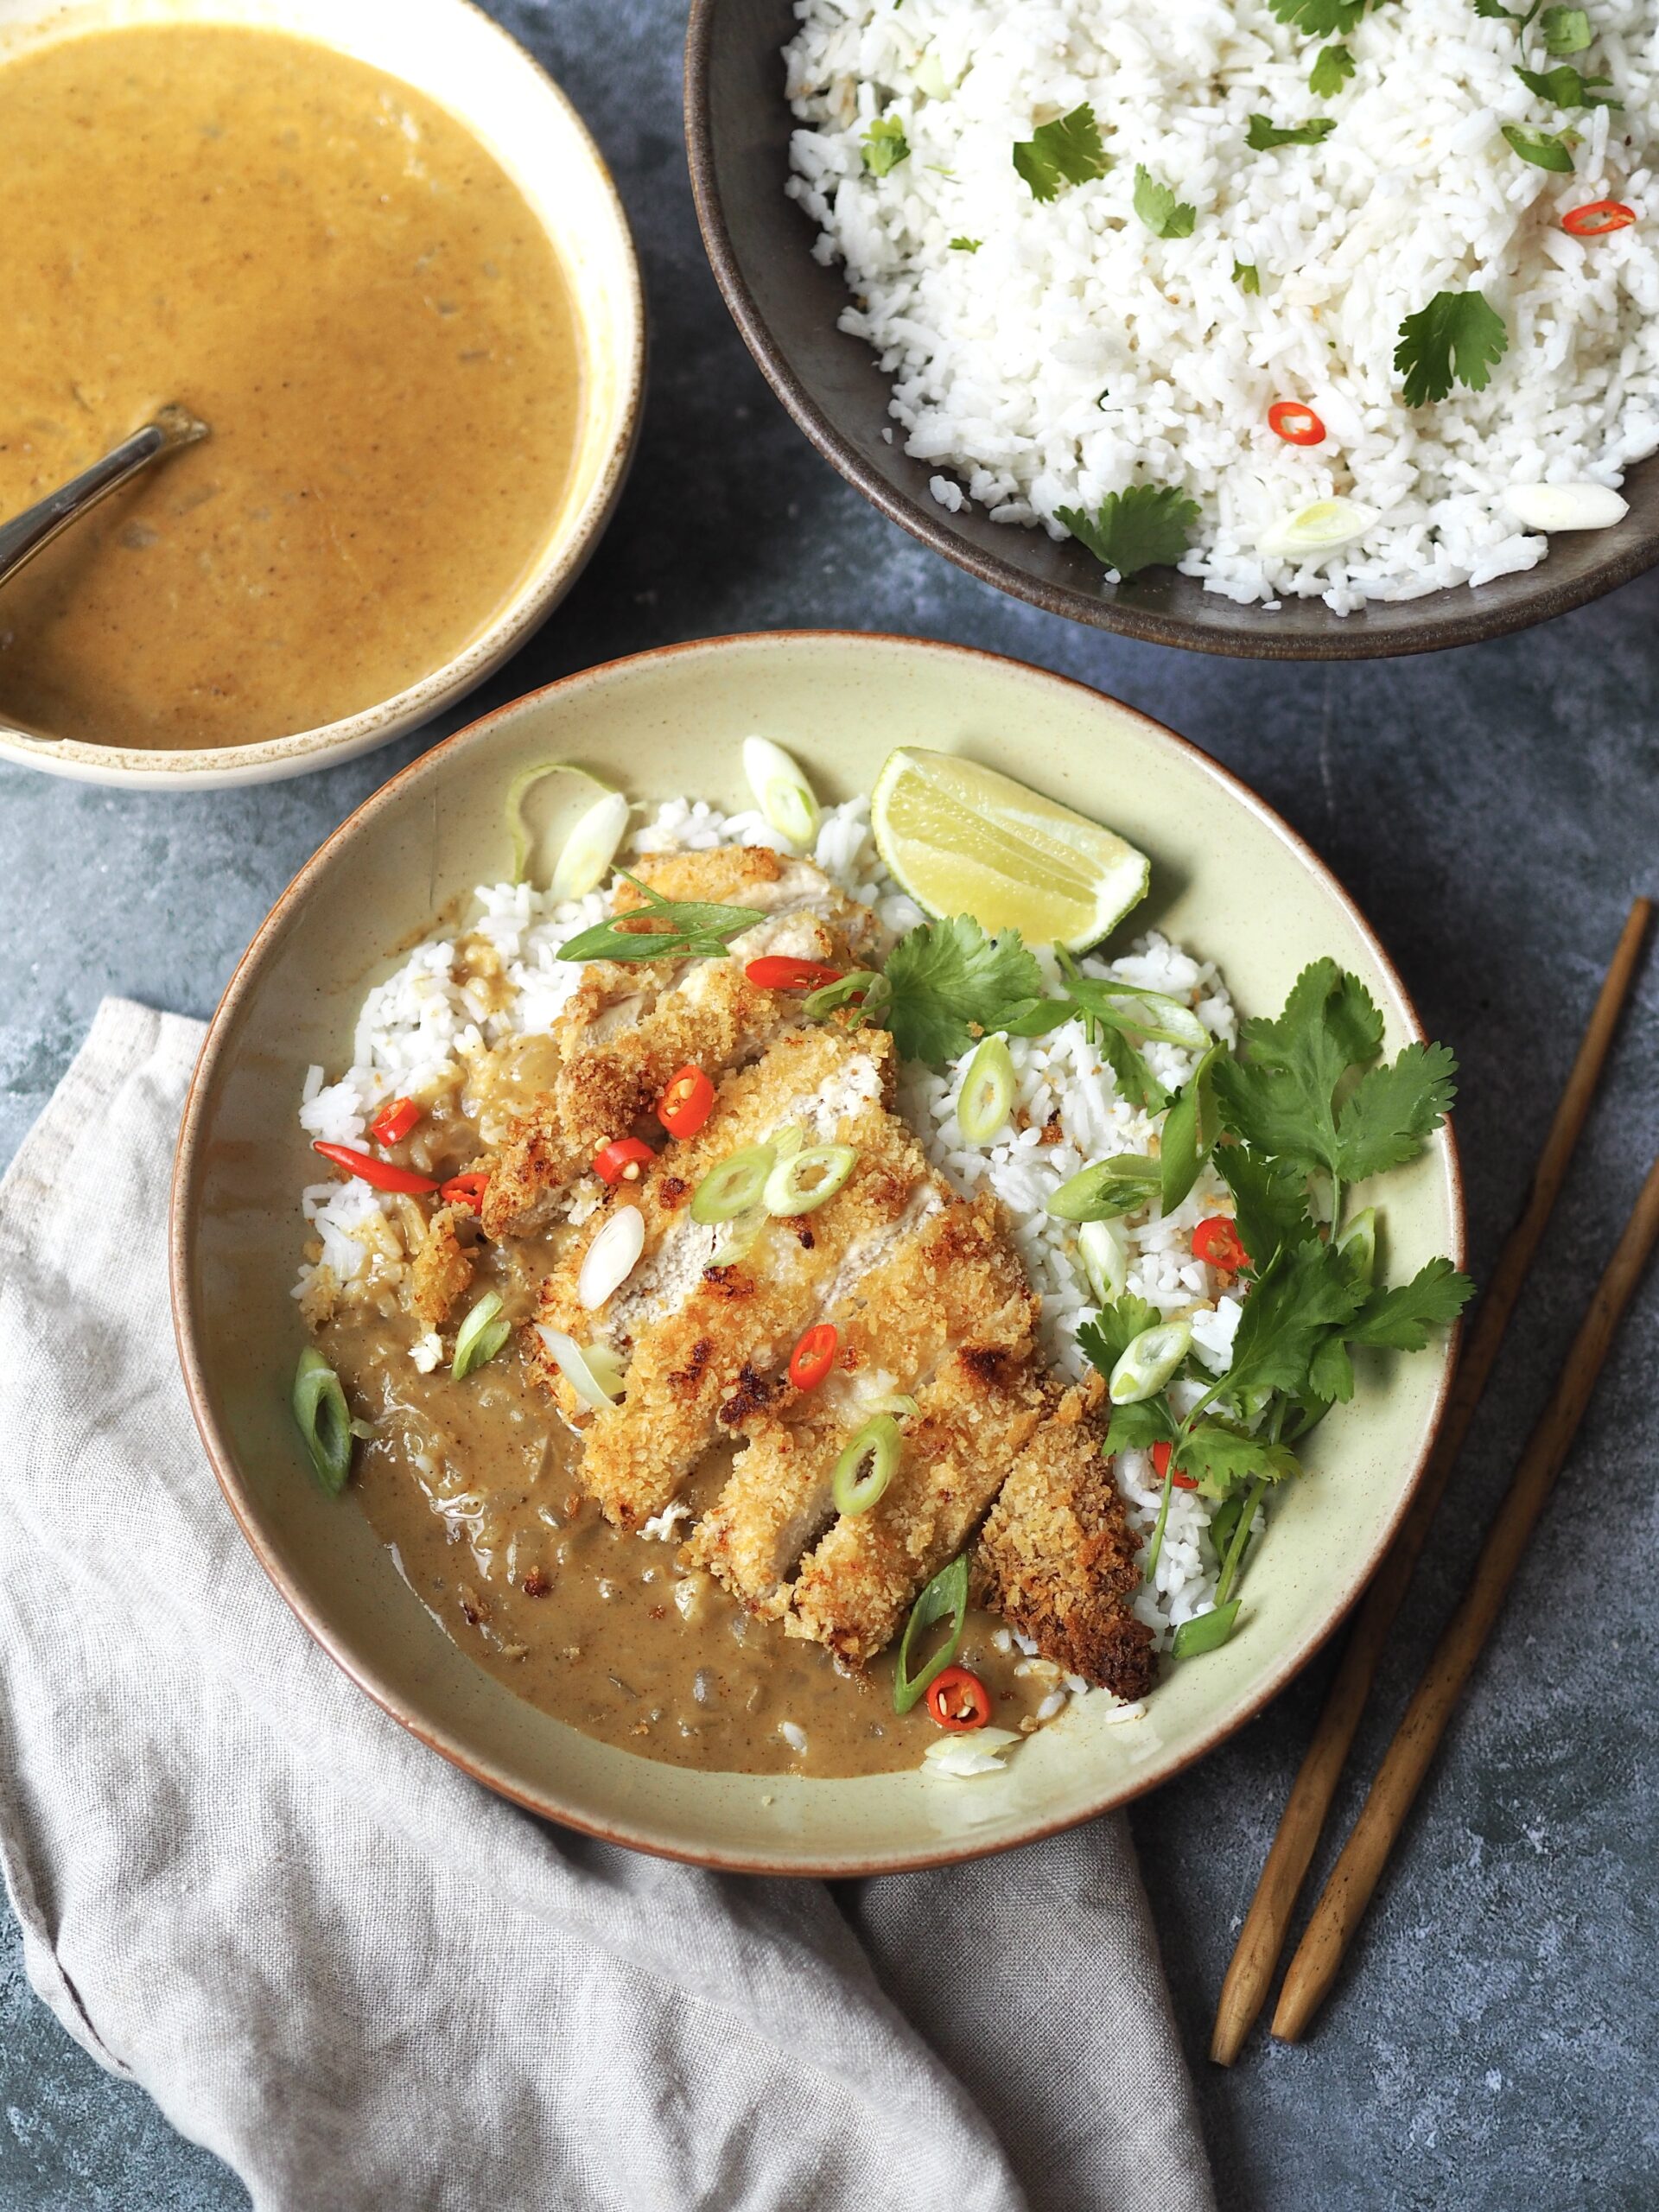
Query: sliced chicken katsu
{"x": 629, "y": 1026}
{"x": 951, "y": 1280}
{"x": 706, "y": 1342}
{"x": 1057, "y": 1557}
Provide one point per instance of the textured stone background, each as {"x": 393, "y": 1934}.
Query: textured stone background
{"x": 1493, "y": 811}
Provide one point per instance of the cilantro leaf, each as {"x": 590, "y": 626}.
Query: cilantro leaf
{"x": 1139, "y": 1426}
{"x": 966, "y": 245}
{"x": 1567, "y": 30}
{"x": 885, "y": 145}
{"x": 1264, "y": 134}
{"x": 1136, "y": 1080}
{"x": 1400, "y": 1319}
{"x": 949, "y": 982}
{"x": 1272, "y": 1203}
{"x": 1492, "y": 12}
{"x": 1068, "y": 151}
{"x": 1164, "y": 215}
{"x": 1320, "y": 18}
{"x": 1148, "y": 526}
{"x": 1247, "y": 277}
{"x": 1305, "y": 1293}
{"x": 1104, "y": 1340}
{"x": 1545, "y": 149}
{"x": 1394, "y": 1108}
{"x": 1334, "y": 66}
{"x": 1222, "y": 1457}
{"x": 1278, "y": 1094}
{"x": 1457, "y": 337}
{"x": 1563, "y": 87}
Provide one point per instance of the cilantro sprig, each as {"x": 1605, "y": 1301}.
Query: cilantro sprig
{"x": 948, "y": 982}
{"x": 1164, "y": 215}
{"x": 1264, "y": 134}
{"x": 1457, "y": 339}
{"x": 1147, "y": 526}
{"x": 1066, "y": 151}
{"x": 662, "y": 929}
{"x": 885, "y": 145}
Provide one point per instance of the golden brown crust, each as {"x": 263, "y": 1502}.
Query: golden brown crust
{"x": 442, "y": 1268}
{"x": 1057, "y": 1558}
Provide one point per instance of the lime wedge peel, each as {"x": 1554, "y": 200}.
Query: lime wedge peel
{"x": 962, "y": 839}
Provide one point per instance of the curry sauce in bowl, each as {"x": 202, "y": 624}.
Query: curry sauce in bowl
{"x": 405, "y": 303}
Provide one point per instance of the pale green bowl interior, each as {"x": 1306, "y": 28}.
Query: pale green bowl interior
{"x": 1228, "y": 879}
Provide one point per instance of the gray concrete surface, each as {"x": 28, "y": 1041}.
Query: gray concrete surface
{"x": 1493, "y": 811}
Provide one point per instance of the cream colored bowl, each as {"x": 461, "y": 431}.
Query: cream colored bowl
{"x": 457, "y": 57}
{"x": 1228, "y": 878}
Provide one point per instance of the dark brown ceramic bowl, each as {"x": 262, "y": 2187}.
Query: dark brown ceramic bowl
{"x": 787, "y": 305}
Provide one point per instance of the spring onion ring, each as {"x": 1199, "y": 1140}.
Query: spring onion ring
{"x": 867, "y": 1464}
{"x": 480, "y": 1337}
{"x": 781, "y": 791}
{"x": 585, "y": 857}
{"x": 1148, "y": 1362}
{"x": 520, "y": 789}
{"x": 809, "y": 1180}
{"x": 1205, "y": 1632}
{"x": 1104, "y": 1248}
{"x": 733, "y": 1185}
{"x": 947, "y": 1594}
{"x": 611, "y": 1256}
{"x": 325, "y": 1421}
{"x": 595, "y": 1375}
{"x": 987, "y": 1092}
{"x": 1110, "y": 1187}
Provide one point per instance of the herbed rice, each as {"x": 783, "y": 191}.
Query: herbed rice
{"x": 420, "y": 1030}
{"x": 1075, "y": 354}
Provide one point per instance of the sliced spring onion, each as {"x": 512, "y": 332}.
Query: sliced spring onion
{"x": 1148, "y": 1362}
{"x": 867, "y": 1464}
{"x": 520, "y": 789}
{"x": 945, "y": 1596}
{"x": 1358, "y": 1245}
{"x": 585, "y": 857}
{"x": 930, "y": 75}
{"x": 1191, "y": 1129}
{"x": 1565, "y": 506}
{"x": 1104, "y": 1248}
{"x": 1320, "y": 527}
{"x": 781, "y": 791}
{"x": 595, "y": 1375}
{"x": 905, "y": 1408}
{"x": 987, "y": 1092}
{"x": 963, "y": 1757}
{"x": 740, "y": 1238}
{"x": 1206, "y": 1632}
{"x": 734, "y": 1186}
{"x": 1164, "y": 1021}
{"x": 1154, "y": 1549}
{"x": 611, "y": 1256}
{"x": 1110, "y": 1187}
{"x": 788, "y": 1141}
{"x": 480, "y": 1337}
{"x": 324, "y": 1419}
{"x": 804, "y": 1182}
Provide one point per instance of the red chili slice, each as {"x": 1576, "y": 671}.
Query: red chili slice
{"x": 1216, "y": 1242}
{"x": 814, "y": 1356}
{"x": 1296, "y": 424}
{"x": 383, "y": 1174}
{"x": 776, "y": 971}
{"x": 624, "y": 1161}
{"x": 466, "y": 1190}
{"x": 394, "y": 1122}
{"x": 958, "y": 1700}
{"x": 1161, "y": 1455}
{"x": 686, "y": 1103}
{"x": 1598, "y": 218}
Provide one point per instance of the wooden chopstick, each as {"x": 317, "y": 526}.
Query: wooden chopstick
{"x": 1249, "y": 1977}
{"x": 1364, "y": 1855}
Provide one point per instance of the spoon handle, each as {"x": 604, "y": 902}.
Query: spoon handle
{"x": 22, "y": 538}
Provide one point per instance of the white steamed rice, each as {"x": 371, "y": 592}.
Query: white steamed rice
{"x": 1075, "y": 354}
{"x": 420, "y": 1029}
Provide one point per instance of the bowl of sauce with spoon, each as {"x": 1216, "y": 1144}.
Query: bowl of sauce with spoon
{"x": 377, "y": 251}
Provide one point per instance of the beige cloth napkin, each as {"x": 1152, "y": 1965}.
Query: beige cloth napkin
{"x": 365, "y": 1982}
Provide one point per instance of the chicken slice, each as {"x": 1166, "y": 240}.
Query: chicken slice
{"x": 1058, "y": 1558}
{"x": 952, "y": 1279}
{"x": 628, "y": 1028}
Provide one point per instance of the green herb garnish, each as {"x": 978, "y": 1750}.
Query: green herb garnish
{"x": 1567, "y": 30}
{"x": 945, "y": 1596}
{"x": 480, "y": 1337}
{"x": 966, "y": 245}
{"x": 1148, "y": 526}
{"x": 1456, "y": 338}
{"x": 1545, "y": 149}
{"x": 662, "y": 929}
{"x": 1205, "y": 1632}
{"x": 1321, "y": 18}
{"x": 1564, "y": 87}
{"x": 949, "y": 982}
{"x": 1247, "y": 277}
{"x": 1067, "y": 151}
{"x": 1264, "y": 134}
{"x": 1164, "y": 215}
{"x": 1332, "y": 67}
{"x": 885, "y": 145}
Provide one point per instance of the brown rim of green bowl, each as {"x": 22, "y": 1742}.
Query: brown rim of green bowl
{"x": 786, "y": 304}
{"x": 228, "y": 1475}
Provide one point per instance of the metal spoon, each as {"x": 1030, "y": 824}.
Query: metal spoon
{"x": 22, "y": 538}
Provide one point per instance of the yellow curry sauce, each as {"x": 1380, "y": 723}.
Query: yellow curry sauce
{"x": 341, "y": 281}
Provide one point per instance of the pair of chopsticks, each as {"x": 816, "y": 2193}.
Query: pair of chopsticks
{"x": 1342, "y": 1907}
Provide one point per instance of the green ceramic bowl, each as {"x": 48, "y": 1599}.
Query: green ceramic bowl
{"x": 670, "y": 721}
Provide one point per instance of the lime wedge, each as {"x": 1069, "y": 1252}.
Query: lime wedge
{"x": 963, "y": 840}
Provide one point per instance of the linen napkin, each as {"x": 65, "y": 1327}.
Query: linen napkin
{"x": 366, "y": 1982}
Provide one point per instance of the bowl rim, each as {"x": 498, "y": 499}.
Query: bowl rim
{"x": 184, "y": 1192}
{"x": 1443, "y": 625}
{"x": 570, "y": 545}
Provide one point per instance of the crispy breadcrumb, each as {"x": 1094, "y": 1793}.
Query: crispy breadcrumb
{"x": 442, "y": 1268}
